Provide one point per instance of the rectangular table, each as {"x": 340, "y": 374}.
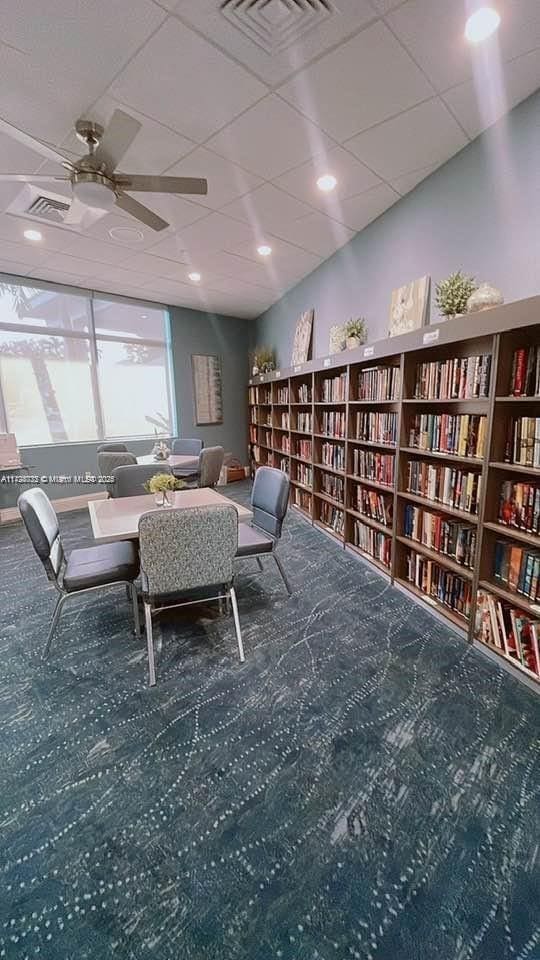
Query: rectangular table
{"x": 118, "y": 518}
{"x": 175, "y": 460}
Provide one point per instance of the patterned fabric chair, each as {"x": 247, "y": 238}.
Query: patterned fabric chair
{"x": 112, "y": 448}
{"x": 129, "y": 480}
{"x": 186, "y": 447}
{"x": 187, "y": 557}
{"x": 90, "y": 568}
{"x": 109, "y": 461}
{"x": 269, "y": 501}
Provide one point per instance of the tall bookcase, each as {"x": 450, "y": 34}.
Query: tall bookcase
{"x": 402, "y": 449}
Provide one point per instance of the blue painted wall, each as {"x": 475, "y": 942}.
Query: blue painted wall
{"x": 479, "y": 212}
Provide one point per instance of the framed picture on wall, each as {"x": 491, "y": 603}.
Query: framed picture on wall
{"x": 207, "y": 388}
{"x": 409, "y": 308}
{"x": 302, "y": 337}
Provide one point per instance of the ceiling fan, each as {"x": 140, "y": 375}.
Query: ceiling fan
{"x": 95, "y": 182}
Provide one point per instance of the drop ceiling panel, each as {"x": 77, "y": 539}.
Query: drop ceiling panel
{"x": 270, "y": 138}
{"x": 316, "y": 233}
{"x": 181, "y": 80}
{"x": 421, "y": 136}
{"x": 351, "y": 175}
{"x": 358, "y": 211}
{"x": 226, "y": 180}
{"x": 215, "y": 232}
{"x": 22, "y": 253}
{"x": 16, "y": 158}
{"x": 177, "y": 211}
{"x": 103, "y": 273}
{"x": 368, "y": 79}
{"x": 73, "y": 265}
{"x": 15, "y": 267}
{"x": 12, "y": 228}
{"x": 139, "y": 238}
{"x": 409, "y": 181}
{"x": 151, "y": 267}
{"x": 286, "y": 265}
{"x": 266, "y": 209}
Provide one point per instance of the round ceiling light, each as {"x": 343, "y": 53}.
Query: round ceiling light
{"x": 126, "y": 234}
{"x": 34, "y": 235}
{"x": 195, "y": 277}
{"x": 327, "y": 183}
{"x": 264, "y": 250}
{"x": 94, "y": 194}
{"x": 481, "y": 24}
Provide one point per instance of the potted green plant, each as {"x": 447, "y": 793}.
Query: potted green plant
{"x": 356, "y": 332}
{"x": 451, "y": 295}
{"x": 163, "y": 485}
{"x": 263, "y": 360}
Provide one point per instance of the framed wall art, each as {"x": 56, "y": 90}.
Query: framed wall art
{"x": 409, "y": 308}
{"x": 302, "y": 338}
{"x": 207, "y": 388}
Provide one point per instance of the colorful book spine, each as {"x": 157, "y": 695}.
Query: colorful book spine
{"x": 370, "y": 465}
{"x": 334, "y": 389}
{"x": 378, "y": 383}
{"x": 372, "y": 504}
{"x": 449, "y": 485}
{"x": 519, "y": 506}
{"x": 376, "y": 427}
{"x": 303, "y": 421}
{"x": 460, "y": 378}
{"x": 333, "y": 486}
{"x": 525, "y": 375}
{"x": 448, "y": 588}
{"x": 523, "y": 441}
{"x": 334, "y": 423}
{"x": 333, "y": 455}
{"x": 511, "y": 631}
{"x": 332, "y": 517}
{"x": 302, "y": 449}
{"x": 462, "y": 434}
{"x": 441, "y": 534}
{"x": 373, "y": 542}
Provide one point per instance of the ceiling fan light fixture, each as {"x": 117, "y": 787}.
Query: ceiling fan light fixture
{"x": 94, "y": 194}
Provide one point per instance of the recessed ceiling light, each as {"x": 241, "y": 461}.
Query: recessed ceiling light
{"x": 481, "y": 24}
{"x": 126, "y": 234}
{"x": 144, "y": 316}
{"x": 327, "y": 182}
{"x": 195, "y": 277}
{"x": 264, "y": 250}
{"x": 34, "y": 235}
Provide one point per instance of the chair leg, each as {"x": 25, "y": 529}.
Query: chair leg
{"x": 282, "y": 572}
{"x": 259, "y": 563}
{"x": 232, "y": 595}
{"x": 132, "y": 595}
{"x": 56, "y": 615}
{"x": 150, "y": 643}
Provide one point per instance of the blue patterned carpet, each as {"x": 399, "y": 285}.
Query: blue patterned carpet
{"x": 364, "y": 786}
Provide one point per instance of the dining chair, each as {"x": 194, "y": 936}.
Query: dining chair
{"x": 83, "y": 570}
{"x": 269, "y": 503}
{"x": 129, "y": 480}
{"x": 112, "y": 448}
{"x": 108, "y": 461}
{"x": 187, "y": 557}
{"x": 210, "y": 464}
{"x": 187, "y": 447}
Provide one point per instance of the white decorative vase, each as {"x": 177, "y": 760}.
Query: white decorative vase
{"x": 353, "y": 343}
{"x": 484, "y": 298}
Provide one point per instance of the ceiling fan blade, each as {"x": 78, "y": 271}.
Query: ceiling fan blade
{"x": 43, "y": 148}
{"x": 140, "y": 212}
{"x": 117, "y": 138}
{"x": 30, "y": 178}
{"x": 134, "y": 182}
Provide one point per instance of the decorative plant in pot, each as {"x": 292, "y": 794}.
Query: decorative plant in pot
{"x": 451, "y": 295}
{"x": 263, "y": 360}
{"x": 356, "y": 333}
{"x": 163, "y": 486}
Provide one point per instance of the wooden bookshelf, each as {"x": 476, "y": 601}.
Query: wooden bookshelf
{"x": 376, "y": 395}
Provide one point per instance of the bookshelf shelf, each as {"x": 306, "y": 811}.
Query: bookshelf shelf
{"x": 381, "y": 389}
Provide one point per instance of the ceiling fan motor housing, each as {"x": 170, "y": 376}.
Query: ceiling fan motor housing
{"x": 94, "y": 189}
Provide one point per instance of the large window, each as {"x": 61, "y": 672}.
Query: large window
{"x": 76, "y": 367}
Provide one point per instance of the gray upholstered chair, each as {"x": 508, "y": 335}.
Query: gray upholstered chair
{"x": 109, "y": 461}
{"x": 187, "y": 557}
{"x": 269, "y": 502}
{"x": 112, "y": 448}
{"x": 187, "y": 447}
{"x": 83, "y": 570}
{"x": 210, "y": 464}
{"x": 129, "y": 480}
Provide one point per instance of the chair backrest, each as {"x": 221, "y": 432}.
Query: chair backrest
{"x": 210, "y": 464}
{"x": 183, "y": 549}
{"x": 41, "y": 522}
{"x": 112, "y": 448}
{"x": 184, "y": 447}
{"x": 109, "y": 461}
{"x": 270, "y": 499}
{"x": 129, "y": 480}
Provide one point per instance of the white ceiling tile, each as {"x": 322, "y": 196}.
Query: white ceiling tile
{"x": 366, "y": 80}
{"x": 13, "y": 227}
{"x": 112, "y": 221}
{"x": 57, "y": 276}
{"x": 226, "y": 181}
{"x": 286, "y": 264}
{"x": 151, "y": 267}
{"x": 409, "y": 181}
{"x": 384, "y": 6}
{"x": 266, "y": 208}
{"x": 17, "y": 159}
{"x": 270, "y": 138}
{"x": 519, "y": 79}
{"x": 175, "y": 210}
{"x": 230, "y": 265}
{"x": 16, "y": 268}
{"x": 74, "y": 265}
{"x": 274, "y": 63}
{"x": 116, "y": 275}
{"x": 154, "y": 148}
{"x": 316, "y": 233}
{"x": 181, "y": 80}
{"x": 97, "y": 250}
{"x": 358, "y": 211}
{"x": 22, "y": 252}
{"x": 423, "y": 24}
{"x": 215, "y": 232}
{"x": 423, "y": 135}
{"x": 351, "y": 175}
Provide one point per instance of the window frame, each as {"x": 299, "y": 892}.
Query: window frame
{"x": 93, "y": 341}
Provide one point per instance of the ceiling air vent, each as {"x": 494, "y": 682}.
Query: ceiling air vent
{"x": 275, "y": 25}
{"x": 33, "y": 203}
{"x": 48, "y": 208}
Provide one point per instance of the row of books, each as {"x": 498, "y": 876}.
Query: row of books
{"x": 261, "y": 455}
{"x": 373, "y": 466}
{"x": 333, "y": 486}
{"x": 463, "y": 434}
{"x": 525, "y": 375}
{"x": 284, "y": 421}
{"x": 379, "y": 383}
{"x": 523, "y": 441}
{"x": 518, "y": 568}
{"x": 509, "y": 629}
{"x": 253, "y": 415}
{"x": 460, "y": 378}
{"x": 302, "y": 499}
{"x": 448, "y": 588}
{"x": 303, "y": 422}
{"x": 302, "y": 448}
{"x": 259, "y": 394}
{"x": 283, "y": 442}
{"x": 376, "y": 427}
{"x": 437, "y": 532}
{"x": 265, "y": 419}
{"x": 449, "y": 485}
{"x": 331, "y": 516}
{"x": 377, "y": 506}
{"x": 253, "y": 433}
{"x": 334, "y": 423}
{"x": 265, "y": 437}
{"x": 334, "y": 388}
{"x": 333, "y": 455}
{"x": 304, "y": 474}
{"x": 373, "y": 542}
{"x": 303, "y": 393}
{"x": 519, "y": 506}
{"x": 282, "y": 395}
{"x": 282, "y": 463}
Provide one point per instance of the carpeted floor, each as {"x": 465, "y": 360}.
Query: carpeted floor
{"x": 364, "y": 786}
